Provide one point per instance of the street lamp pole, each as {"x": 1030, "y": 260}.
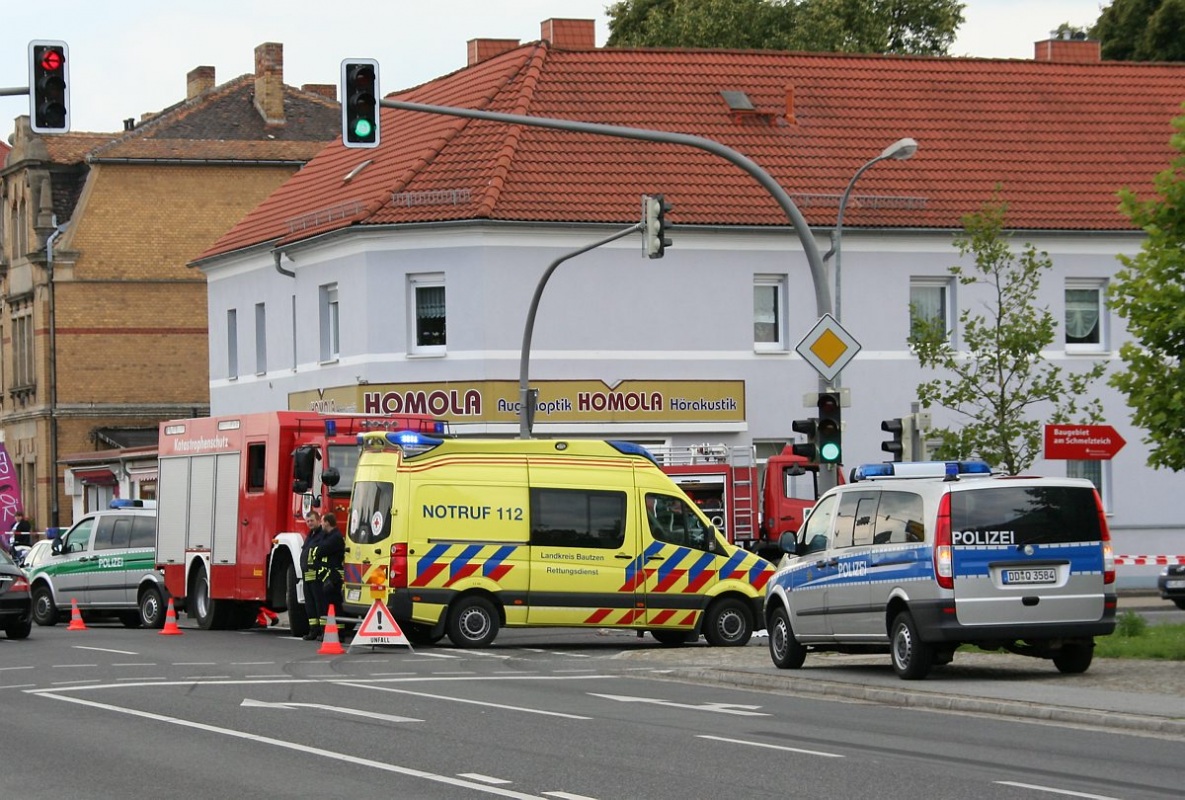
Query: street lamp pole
{"x": 900, "y": 150}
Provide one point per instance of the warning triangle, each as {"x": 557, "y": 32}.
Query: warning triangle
{"x": 379, "y": 628}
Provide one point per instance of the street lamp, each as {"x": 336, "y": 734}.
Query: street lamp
{"x": 900, "y": 150}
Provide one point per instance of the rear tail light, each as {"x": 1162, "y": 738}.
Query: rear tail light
{"x": 1105, "y": 537}
{"x": 943, "y": 566}
{"x": 19, "y": 584}
{"x": 399, "y": 566}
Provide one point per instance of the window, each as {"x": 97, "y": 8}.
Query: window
{"x": 78, "y": 540}
{"x": 672, "y": 521}
{"x": 929, "y": 304}
{"x": 143, "y": 531}
{"x": 260, "y": 339}
{"x": 232, "y": 343}
{"x": 1085, "y": 316}
{"x": 815, "y": 532}
{"x": 23, "y": 376}
{"x": 853, "y": 522}
{"x": 577, "y": 518}
{"x": 428, "y": 313}
{"x": 899, "y": 519}
{"x": 1096, "y": 473}
{"x": 768, "y": 315}
{"x": 256, "y": 466}
{"x": 330, "y": 341}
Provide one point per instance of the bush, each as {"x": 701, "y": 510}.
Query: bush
{"x": 1131, "y": 625}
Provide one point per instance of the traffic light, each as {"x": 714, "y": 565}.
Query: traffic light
{"x": 807, "y": 450}
{"x": 654, "y": 225}
{"x": 360, "y": 102}
{"x": 896, "y": 445}
{"x": 829, "y": 433}
{"x": 49, "y": 86}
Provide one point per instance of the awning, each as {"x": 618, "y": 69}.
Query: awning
{"x": 142, "y": 474}
{"x": 98, "y": 476}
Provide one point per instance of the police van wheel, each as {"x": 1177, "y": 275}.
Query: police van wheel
{"x": 729, "y": 623}
{"x": 1074, "y": 658}
{"x": 472, "y": 622}
{"x": 129, "y": 619}
{"x": 45, "y": 612}
{"x": 784, "y": 649}
{"x": 152, "y": 608}
{"x": 912, "y": 658}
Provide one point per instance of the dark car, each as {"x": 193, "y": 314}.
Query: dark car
{"x": 16, "y": 604}
{"x": 1172, "y": 584}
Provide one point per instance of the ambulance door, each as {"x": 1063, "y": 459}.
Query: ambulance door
{"x": 680, "y": 558}
{"x": 583, "y": 548}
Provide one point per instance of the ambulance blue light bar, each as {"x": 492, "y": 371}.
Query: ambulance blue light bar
{"x": 410, "y": 442}
{"x": 631, "y": 449}
{"x": 921, "y": 469}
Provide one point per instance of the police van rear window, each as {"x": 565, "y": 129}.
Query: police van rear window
{"x": 1024, "y": 515}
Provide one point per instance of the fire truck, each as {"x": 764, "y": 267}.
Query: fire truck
{"x": 752, "y": 510}
{"x": 232, "y": 494}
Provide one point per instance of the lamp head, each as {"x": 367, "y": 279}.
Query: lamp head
{"x": 901, "y": 149}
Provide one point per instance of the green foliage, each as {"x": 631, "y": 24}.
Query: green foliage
{"x": 905, "y": 27}
{"x": 1165, "y": 642}
{"x": 1142, "y": 30}
{"x": 999, "y": 382}
{"x": 1130, "y": 624}
{"x": 1149, "y": 293}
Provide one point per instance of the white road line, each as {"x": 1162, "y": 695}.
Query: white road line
{"x": 106, "y": 650}
{"x": 251, "y": 663}
{"x": 74, "y": 666}
{"x": 462, "y": 700}
{"x": 371, "y": 715}
{"x": 474, "y": 776}
{"x": 772, "y": 746}
{"x": 142, "y": 678}
{"x": 134, "y": 664}
{"x": 568, "y": 796}
{"x": 194, "y": 663}
{"x": 6, "y": 669}
{"x": 1052, "y": 790}
{"x": 300, "y": 748}
{"x": 484, "y": 654}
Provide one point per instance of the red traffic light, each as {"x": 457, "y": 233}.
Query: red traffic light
{"x": 52, "y": 60}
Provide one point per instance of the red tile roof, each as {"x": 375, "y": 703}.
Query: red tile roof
{"x": 1059, "y": 139}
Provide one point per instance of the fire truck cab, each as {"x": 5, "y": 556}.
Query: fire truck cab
{"x": 231, "y": 499}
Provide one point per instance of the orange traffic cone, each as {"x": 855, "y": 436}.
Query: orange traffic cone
{"x": 76, "y": 623}
{"x": 330, "y": 644}
{"x": 170, "y": 628}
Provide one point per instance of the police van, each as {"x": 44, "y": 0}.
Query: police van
{"x": 106, "y": 563}
{"x": 463, "y": 536}
{"x": 915, "y": 559}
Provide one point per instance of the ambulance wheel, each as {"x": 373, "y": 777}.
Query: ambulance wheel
{"x": 151, "y": 608}
{"x": 45, "y": 611}
{"x": 673, "y": 638}
{"x": 729, "y": 623}
{"x": 298, "y": 615}
{"x": 418, "y": 633}
{"x": 784, "y": 649}
{"x": 912, "y": 658}
{"x": 472, "y": 622}
{"x": 1074, "y": 657}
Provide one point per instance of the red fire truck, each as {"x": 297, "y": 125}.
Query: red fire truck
{"x": 232, "y": 494}
{"x": 723, "y": 480}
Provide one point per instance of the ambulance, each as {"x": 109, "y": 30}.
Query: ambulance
{"x": 462, "y": 537}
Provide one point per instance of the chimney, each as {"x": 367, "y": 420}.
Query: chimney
{"x": 324, "y": 89}
{"x": 570, "y": 34}
{"x": 269, "y": 82}
{"x": 199, "y": 79}
{"x": 1068, "y": 49}
{"x": 481, "y": 49}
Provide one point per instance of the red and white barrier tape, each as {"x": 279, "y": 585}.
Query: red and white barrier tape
{"x": 1148, "y": 561}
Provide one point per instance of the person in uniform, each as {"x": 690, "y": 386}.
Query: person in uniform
{"x": 308, "y": 571}
{"x": 330, "y": 554}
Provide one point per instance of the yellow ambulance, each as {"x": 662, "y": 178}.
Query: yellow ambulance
{"x": 463, "y": 537}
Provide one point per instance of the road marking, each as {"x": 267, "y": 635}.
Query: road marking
{"x": 720, "y": 708}
{"x": 473, "y": 776}
{"x": 106, "y": 650}
{"x": 567, "y": 796}
{"x": 248, "y": 703}
{"x": 1052, "y": 790}
{"x": 462, "y": 700}
{"x": 300, "y": 748}
{"x": 74, "y": 666}
{"x": 771, "y": 746}
{"x": 135, "y": 664}
{"x": 6, "y": 669}
{"x": 143, "y": 678}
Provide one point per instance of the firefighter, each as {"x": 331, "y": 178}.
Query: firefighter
{"x": 308, "y": 569}
{"x": 330, "y": 554}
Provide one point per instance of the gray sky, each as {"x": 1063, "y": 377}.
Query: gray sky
{"x": 128, "y": 57}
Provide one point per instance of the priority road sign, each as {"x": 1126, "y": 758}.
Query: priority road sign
{"x": 828, "y": 347}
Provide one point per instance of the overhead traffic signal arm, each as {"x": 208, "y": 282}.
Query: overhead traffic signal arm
{"x": 49, "y": 86}
{"x": 360, "y": 102}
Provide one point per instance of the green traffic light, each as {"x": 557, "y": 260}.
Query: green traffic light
{"x": 363, "y": 128}
{"x": 829, "y": 453}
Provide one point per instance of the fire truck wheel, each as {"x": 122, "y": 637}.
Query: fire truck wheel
{"x": 472, "y": 622}
{"x": 729, "y": 623}
{"x": 784, "y": 649}
{"x": 152, "y": 608}
{"x": 298, "y": 616}
{"x": 210, "y": 614}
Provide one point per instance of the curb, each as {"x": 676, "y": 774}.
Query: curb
{"x": 904, "y": 698}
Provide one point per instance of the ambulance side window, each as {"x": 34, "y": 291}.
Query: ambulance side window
{"x": 673, "y": 521}
{"x": 577, "y": 518}
{"x": 370, "y": 512}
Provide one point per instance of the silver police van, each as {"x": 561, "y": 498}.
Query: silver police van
{"x": 915, "y": 559}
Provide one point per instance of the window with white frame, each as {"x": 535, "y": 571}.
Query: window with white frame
{"x": 1086, "y": 318}
{"x": 769, "y": 317}
{"x": 427, "y": 314}
{"x": 930, "y": 303}
{"x": 232, "y": 343}
{"x": 23, "y": 375}
{"x": 330, "y": 342}
{"x": 1096, "y": 472}
{"x": 260, "y": 339}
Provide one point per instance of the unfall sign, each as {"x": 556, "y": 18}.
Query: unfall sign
{"x": 1082, "y": 442}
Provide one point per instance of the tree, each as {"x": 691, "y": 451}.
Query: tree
{"x": 1149, "y": 293}
{"x": 904, "y": 27}
{"x": 1001, "y": 383}
{"x": 1142, "y": 30}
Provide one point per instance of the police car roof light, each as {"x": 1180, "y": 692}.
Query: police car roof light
{"x": 948, "y": 470}
{"x": 631, "y": 449}
{"x": 126, "y": 503}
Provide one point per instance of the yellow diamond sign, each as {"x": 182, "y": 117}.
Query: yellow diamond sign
{"x": 828, "y": 347}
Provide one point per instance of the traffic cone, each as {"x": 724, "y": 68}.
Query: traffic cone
{"x": 170, "y": 628}
{"x": 76, "y": 623}
{"x": 330, "y": 644}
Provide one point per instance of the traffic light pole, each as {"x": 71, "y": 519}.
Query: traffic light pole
{"x": 827, "y": 476}
{"x": 13, "y": 91}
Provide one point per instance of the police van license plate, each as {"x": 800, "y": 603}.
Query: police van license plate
{"x": 1015, "y": 577}
{"x": 353, "y": 595}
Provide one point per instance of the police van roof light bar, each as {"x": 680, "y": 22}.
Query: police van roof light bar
{"x": 950, "y": 470}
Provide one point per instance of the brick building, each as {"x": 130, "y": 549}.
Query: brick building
{"x": 104, "y": 325}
